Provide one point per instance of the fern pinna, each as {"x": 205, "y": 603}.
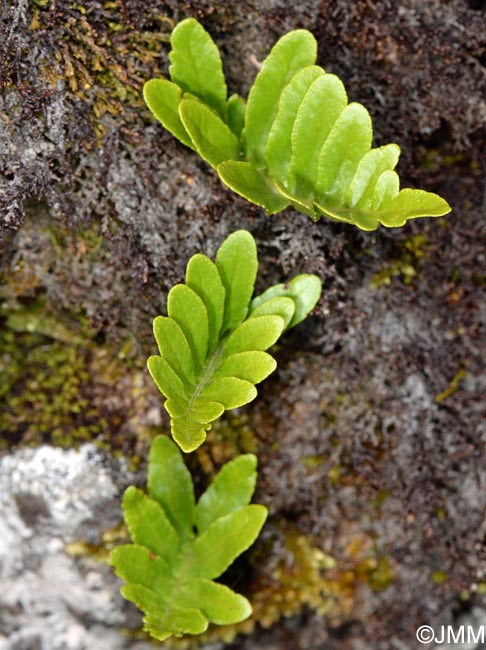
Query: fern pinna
{"x": 212, "y": 343}
{"x": 179, "y": 547}
{"x": 297, "y": 141}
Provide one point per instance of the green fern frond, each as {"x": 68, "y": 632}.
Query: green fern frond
{"x": 212, "y": 345}
{"x": 180, "y": 547}
{"x": 297, "y": 142}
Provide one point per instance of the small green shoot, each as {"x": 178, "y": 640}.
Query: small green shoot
{"x": 179, "y": 547}
{"x": 297, "y": 141}
{"x": 212, "y": 343}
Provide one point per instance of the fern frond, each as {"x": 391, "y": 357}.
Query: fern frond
{"x": 196, "y": 65}
{"x": 179, "y": 547}
{"x": 297, "y": 142}
{"x": 212, "y": 345}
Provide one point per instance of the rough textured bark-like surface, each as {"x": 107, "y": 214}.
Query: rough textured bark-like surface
{"x": 370, "y": 435}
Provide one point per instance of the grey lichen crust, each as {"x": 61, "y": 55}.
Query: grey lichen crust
{"x": 49, "y": 499}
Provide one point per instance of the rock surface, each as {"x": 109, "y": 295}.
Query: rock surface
{"x": 371, "y": 434}
{"x": 51, "y": 498}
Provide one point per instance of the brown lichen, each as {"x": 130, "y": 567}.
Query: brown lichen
{"x": 99, "y": 53}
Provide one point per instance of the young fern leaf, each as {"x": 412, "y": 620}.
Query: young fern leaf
{"x": 212, "y": 345}
{"x": 292, "y": 52}
{"x": 212, "y": 138}
{"x": 298, "y": 142}
{"x": 196, "y": 65}
{"x": 180, "y": 547}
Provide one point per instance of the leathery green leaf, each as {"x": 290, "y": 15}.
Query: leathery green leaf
{"x": 296, "y": 143}
{"x": 170, "y": 484}
{"x": 292, "y": 52}
{"x": 218, "y": 603}
{"x": 276, "y": 291}
{"x": 409, "y": 204}
{"x": 162, "y": 622}
{"x": 305, "y": 291}
{"x": 257, "y": 333}
{"x": 200, "y": 410}
{"x": 306, "y": 207}
{"x": 189, "y": 429}
{"x": 173, "y": 346}
{"x": 189, "y": 426}
{"x": 168, "y": 382}
{"x": 386, "y": 188}
{"x": 163, "y": 98}
{"x": 346, "y": 144}
{"x": 175, "y": 622}
{"x": 253, "y": 366}
{"x": 213, "y": 139}
{"x": 237, "y": 264}
{"x": 226, "y": 538}
{"x": 203, "y": 277}
{"x": 211, "y": 348}
{"x": 231, "y": 392}
{"x": 278, "y": 150}
{"x": 190, "y": 313}
{"x": 148, "y": 523}
{"x": 278, "y": 306}
{"x": 177, "y": 594}
{"x": 231, "y": 489}
{"x": 144, "y": 597}
{"x": 244, "y": 179}
{"x": 394, "y": 209}
{"x": 322, "y": 104}
{"x": 371, "y": 166}
{"x": 196, "y": 64}
{"x": 138, "y": 565}
{"x": 333, "y": 210}
{"x": 236, "y": 114}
